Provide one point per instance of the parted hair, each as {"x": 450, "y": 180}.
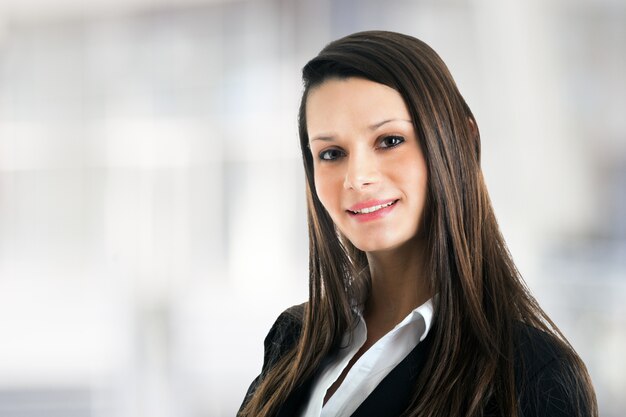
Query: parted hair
{"x": 481, "y": 295}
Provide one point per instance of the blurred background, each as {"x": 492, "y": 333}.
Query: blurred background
{"x": 152, "y": 213}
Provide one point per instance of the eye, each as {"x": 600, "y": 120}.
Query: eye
{"x": 331, "y": 154}
{"x": 391, "y": 141}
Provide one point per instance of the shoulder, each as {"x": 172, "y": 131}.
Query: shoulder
{"x": 288, "y": 324}
{"x": 535, "y": 349}
{"x": 283, "y": 335}
{"x": 549, "y": 377}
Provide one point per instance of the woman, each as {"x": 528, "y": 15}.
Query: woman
{"x": 415, "y": 305}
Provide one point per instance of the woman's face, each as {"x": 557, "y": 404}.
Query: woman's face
{"x": 370, "y": 173}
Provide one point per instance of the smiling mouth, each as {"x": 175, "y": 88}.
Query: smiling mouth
{"x": 372, "y": 209}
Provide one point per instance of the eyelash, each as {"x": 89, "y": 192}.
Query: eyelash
{"x": 322, "y": 155}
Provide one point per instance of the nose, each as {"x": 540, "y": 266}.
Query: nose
{"x": 362, "y": 171}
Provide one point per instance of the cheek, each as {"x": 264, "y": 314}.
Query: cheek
{"x": 414, "y": 163}
{"x": 327, "y": 190}
{"x": 420, "y": 185}
{"x": 410, "y": 174}
{"x": 419, "y": 181}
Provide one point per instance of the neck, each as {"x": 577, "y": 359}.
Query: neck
{"x": 399, "y": 284}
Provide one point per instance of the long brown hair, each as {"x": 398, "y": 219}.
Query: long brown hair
{"x": 481, "y": 295}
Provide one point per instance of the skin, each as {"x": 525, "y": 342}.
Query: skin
{"x": 365, "y": 147}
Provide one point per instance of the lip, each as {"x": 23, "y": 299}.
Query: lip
{"x": 364, "y": 217}
{"x": 370, "y": 203}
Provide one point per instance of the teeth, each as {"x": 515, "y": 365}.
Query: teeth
{"x": 373, "y": 209}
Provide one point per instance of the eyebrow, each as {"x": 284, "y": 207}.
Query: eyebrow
{"x": 328, "y": 137}
{"x": 379, "y": 124}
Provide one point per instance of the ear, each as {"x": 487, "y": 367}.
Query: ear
{"x": 473, "y": 126}
{"x": 475, "y": 136}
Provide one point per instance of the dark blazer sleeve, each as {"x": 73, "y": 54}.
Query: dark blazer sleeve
{"x": 548, "y": 384}
{"x": 554, "y": 392}
{"x": 282, "y": 337}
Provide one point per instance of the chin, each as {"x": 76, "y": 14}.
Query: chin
{"x": 373, "y": 243}
{"x": 376, "y": 246}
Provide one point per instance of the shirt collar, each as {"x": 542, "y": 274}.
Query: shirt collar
{"x": 424, "y": 312}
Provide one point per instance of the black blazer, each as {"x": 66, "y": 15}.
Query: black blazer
{"x": 541, "y": 383}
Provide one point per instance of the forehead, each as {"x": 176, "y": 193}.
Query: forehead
{"x": 352, "y": 102}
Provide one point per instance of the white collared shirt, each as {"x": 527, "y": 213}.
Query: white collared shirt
{"x": 371, "y": 368}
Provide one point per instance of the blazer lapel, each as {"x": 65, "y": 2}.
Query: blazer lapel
{"x": 389, "y": 399}
{"x": 392, "y": 396}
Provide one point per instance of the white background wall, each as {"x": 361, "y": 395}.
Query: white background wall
{"x": 152, "y": 215}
